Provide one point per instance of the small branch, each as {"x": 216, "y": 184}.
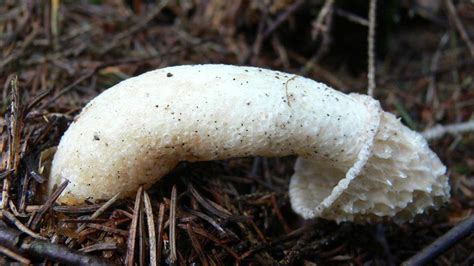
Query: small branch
{"x": 10, "y": 253}
{"x": 99, "y": 246}
{"x": 351, "y": 17}
{"x": 133, "y": 229}
{"x": 14, "y": 139}
{"x": 452, "y": 13}
{"x": 119, "y": 37}
{"x": 282, "y": 18}
{"x": 47, "y": 205}
{"x": 371, "y": 48}
{"x": 431, "y": 95}
{"x": 196, "y": 245}
{"x": 141, "y": 236}
{"x": 440, "y": 130}
{"x": 172, "y": 221}
{"x": 321, "y": 25}
{"x": 263, "y": 33}
{"x": 96, "y": 214}
{"x": 12, "y": 219}
{"x": 151, "y": 228}
{"x": 13, "y": 240}
{"x": 20, "y": 51}
{"x": 94, "y": 70}
{"x": 108, "y": 229}
{"x": 318, "y": 24}
{"x": 446, "y": 241}
{"x": 161, "y": 218}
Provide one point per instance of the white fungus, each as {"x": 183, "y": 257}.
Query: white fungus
{"x": 356, "y": 162}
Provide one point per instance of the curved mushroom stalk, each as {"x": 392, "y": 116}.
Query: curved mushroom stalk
{"x": 355, "y": 162}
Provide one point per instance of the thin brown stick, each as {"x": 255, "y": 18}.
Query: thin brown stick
{"x": 108, "y": 229}
{"x": 351, "y": 17}
{"x": 12, "y": 219}
{"x": 321, "y": 25}
{"x": 443, "y": 243}
{"x": 71, "y": 86}
{"x": 222, "y": 231}
{"x": 208, "y": 205}
{"x": 67, "y": 209}
{"x": 318, "y": 26}
{"x": 54, "y": 19}
{"x": 18, "y": 53}
{"x": 13, "y": 239}
{"x": 440, "y": 130}
{"x": 151, "y": 228}
{"x": 196, "y": 245}
{"x": 133, "y": 229}
{"x": 141, "y": 237}
{"x": 99, "y": 246}
{"x": 205, "y": 234}
{"x": 119, "y": 37}
{"x": 161, "y": 218}
{"x": 10, "y": 253}
{"x": 14, "y": 138}
{"x": 282, "y": 18}
{"x": 91, "y": 72}
{"x": 371, "y": 48}
{"x": 172, "y": 234}
{"x": 47, "y": 205}
{"x": 431, "y": 94}
{"x": 96, "y": 214}
{"x": 453, "y": 15}
{"x": 257, "y": 44}
{"x": 279, "y": 215}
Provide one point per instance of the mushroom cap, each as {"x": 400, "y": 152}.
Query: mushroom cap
{"x": 396, "y": 175}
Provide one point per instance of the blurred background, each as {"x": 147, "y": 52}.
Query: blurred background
{"x": 56, "y": 55}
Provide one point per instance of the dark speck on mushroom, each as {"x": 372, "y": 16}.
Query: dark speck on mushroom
{"x": 169, "y": 75}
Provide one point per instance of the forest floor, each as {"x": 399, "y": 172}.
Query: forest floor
{"x": 57, "y": 55}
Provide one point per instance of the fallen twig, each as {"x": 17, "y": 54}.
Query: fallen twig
{"x": 318, "y": 24}
{"x": 151, "y": 228}
{"x": 133, "y": 229}
{"x": 320, "y": 27}
{"x": 14, "y": 138}
{"x": 371, "y": 48}
{"x": 47, "y": 205}
{"x": 440, "y": 130}
{"x": 96, "y": 214}
{"x": 351, "y": 17}
{"x": 161, "y": 217}
{"x": 12, "y": 219}
{"x": 446, "y": 241}
{"x": 119, "y": 37}
{"x": 282, "y": 18}
{"x": 13, "y": 240}
{"x": 196, "y": 245}
{"x": 172, "y": 219}
{"x": 452, "y": 13}
{"x": 10, "y": 253}
{"x": 108, "y": 229}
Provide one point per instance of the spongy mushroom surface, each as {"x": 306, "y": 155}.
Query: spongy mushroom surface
{"x": 355, "y": 162}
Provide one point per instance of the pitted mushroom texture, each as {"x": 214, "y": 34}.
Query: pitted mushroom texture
{"x": 356, "y": 162}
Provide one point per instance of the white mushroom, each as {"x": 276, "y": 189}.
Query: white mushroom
{"x": 356, "y": 162}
